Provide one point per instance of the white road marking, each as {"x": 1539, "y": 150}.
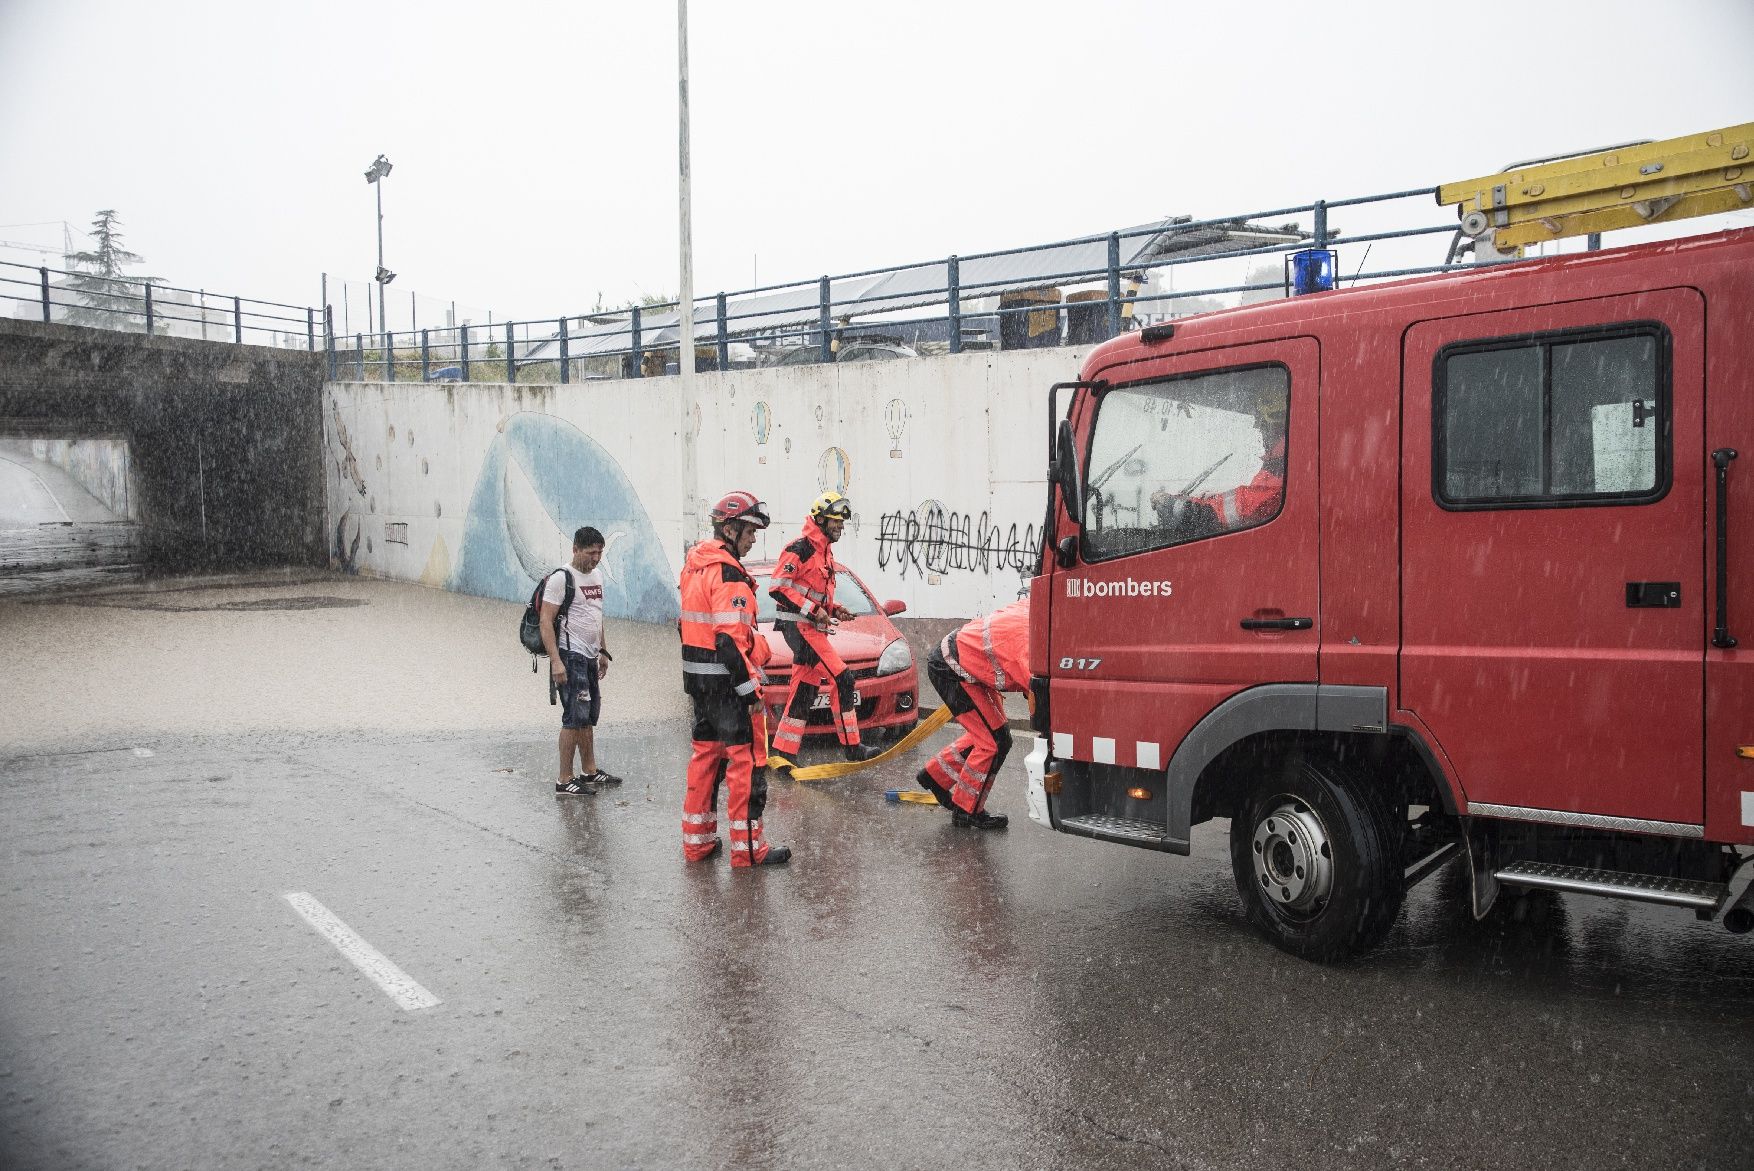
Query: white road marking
{"x": 396, "y": 983}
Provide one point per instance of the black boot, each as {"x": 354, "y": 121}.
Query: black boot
{"x": 929, "y": 785}
{"x": 979, "y": 820}
{"x": 859, "y": 753}
{"x": 776, "y": 856}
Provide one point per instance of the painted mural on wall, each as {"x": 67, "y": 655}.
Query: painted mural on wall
{"x": 541, "y": 479}
{"x": 940, "y": 458}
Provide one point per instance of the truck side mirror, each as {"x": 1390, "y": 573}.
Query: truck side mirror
{"x": 1066, "y": 473}
{"x": 1066, "y": 552}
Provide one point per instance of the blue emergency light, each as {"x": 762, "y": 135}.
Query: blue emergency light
{"x": 1311, "y": 271}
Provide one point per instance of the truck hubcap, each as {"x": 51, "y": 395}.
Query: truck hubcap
{"x": 1294, "y": 865}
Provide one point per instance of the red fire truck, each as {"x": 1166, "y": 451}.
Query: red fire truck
{"x": 1456, "y": 565}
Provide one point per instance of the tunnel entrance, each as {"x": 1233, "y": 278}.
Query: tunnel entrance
{"x": 69, "y": 513}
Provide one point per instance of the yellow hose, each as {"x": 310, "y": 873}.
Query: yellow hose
{"x": 822, "y": 772}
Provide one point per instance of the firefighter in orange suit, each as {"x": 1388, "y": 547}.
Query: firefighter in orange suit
{"x": 1246, "y": 505}
{"x": 722, "y": 653}
{"x": 969, "y": 669}
{"x": 803, "y": 592}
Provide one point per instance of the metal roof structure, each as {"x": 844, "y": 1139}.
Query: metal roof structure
{"x": 1072, "y": 262}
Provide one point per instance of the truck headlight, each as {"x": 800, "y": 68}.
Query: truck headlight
{"x": 895, "y": 658}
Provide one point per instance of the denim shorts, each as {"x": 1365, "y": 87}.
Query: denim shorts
{"x": 579, "y": 697}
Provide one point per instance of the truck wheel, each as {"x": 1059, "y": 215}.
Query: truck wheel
{"x": 1316, "y": 861}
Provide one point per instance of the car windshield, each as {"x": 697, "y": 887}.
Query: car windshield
{"x": 847, "y": 591}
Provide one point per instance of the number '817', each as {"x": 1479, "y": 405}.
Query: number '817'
{"x": 1070, "y": 664}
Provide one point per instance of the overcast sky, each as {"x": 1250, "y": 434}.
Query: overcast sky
{"x": 534, "y": 143}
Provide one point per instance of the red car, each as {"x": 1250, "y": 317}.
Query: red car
{"x": 887, "y": 686}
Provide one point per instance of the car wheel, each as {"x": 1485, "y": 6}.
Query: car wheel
{"x": 1317, "y": 860}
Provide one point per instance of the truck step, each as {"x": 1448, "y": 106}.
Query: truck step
{"x": 1617, "y": 884}
{"x": 1129, "y": 831}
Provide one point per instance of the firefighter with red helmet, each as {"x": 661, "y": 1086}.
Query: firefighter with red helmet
{"x": 722, "y": 653}
{"x": 969, "y": 669}
{"x": 803, "y": 592}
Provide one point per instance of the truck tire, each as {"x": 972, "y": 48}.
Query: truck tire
{"x": 1317, "y": 860}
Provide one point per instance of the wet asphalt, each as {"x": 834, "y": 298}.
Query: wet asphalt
{"x": 905, "y": 994}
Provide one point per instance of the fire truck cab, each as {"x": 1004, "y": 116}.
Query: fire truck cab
{"x": 1450, "y": 566}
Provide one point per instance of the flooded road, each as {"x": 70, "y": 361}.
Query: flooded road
{"x": 906, "y": 993}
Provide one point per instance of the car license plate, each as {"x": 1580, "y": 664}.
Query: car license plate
{"x": 826, "y": 701}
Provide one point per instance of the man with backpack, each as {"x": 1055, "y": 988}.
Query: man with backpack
{"x": 578, "y": 659}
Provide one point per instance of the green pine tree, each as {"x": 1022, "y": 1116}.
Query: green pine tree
{"x": 107, "y": 297}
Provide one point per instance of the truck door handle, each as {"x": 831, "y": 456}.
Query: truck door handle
{"x": 1277, "y": 623}
{"x": 1659, "y": 595}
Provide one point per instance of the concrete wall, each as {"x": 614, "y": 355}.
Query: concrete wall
{"x": 101, "y": 467}
{"x": 224, "y": 441}
{"x": 478, "y": 488}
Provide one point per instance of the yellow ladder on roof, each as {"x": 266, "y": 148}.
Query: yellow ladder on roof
{"x": 1622, "y": 187}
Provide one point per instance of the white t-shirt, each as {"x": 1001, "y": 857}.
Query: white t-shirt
{"x": 581, "y": 632}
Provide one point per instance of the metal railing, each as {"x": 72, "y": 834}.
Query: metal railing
{"x": 150, "y": 307}
{"x": 1074, "y": 291}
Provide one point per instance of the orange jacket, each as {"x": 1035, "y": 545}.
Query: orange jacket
{"x": 803, "y": 584}
{"x": 993, "y": 651}
{"x": 719, "y": 638}
{"x": 1256, "y": 501}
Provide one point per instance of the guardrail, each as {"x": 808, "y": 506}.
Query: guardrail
{"x": 150, "y": 307}
{"x": 1003, "y": 299}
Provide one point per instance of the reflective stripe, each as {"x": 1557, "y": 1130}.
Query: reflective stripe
{"x": 987, "y": 646}
{"x": 739, "y": 825}
{"x": 737, "y": 845}
{"x": 947, "y": 652}
{"x": 705, "y": 669}
{"x": 719, "y": 617}
{"x": 699, "y": 818}
{"x": 965, "y": 777}
{"x": 1232, "y": 515}
{"x": 745, "y": 688}
{"x": 789, "y": 723}
{"x": 787, "y": 616}
{"x": 698, "y": 839}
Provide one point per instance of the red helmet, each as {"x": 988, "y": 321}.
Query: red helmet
{"x": 741, "y": 506}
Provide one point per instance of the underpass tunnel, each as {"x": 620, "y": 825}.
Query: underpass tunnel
{"x": 69, "y": 512}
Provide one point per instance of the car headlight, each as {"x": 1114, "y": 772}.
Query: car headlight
{"x": 895, "y": 658}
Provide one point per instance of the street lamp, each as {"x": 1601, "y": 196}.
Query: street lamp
{"x": 380, "y": 167}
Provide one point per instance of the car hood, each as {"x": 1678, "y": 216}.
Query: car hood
{"x": 858, "y": 641}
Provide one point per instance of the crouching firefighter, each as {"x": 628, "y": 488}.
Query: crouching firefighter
{"x": 803, "y": 593}
{"x": 969, "y": 669}
{"x": 721, "y": 656}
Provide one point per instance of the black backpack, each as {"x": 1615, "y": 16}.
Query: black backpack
{"x": 530, "y": 625}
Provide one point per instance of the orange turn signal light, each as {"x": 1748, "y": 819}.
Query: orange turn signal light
{"x": 1745, "y": 751}
{"x": 1139, "y": 794}
{"x": 1051, "y": 782}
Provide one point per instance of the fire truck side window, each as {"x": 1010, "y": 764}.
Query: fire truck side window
{"x": 1551, "y": 420}
{"x": 1186, "y": 458}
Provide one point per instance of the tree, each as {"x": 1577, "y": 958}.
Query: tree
{"x": 108, "y": 297}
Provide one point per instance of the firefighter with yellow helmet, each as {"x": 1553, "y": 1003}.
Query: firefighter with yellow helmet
{"x": 803, "y": 592}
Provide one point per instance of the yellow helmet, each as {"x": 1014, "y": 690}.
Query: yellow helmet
{"x": 831, "y": 506}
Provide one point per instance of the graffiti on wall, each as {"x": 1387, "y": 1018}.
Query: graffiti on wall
{"x": 932, "y": 539}
{"x": 541, "y": 479}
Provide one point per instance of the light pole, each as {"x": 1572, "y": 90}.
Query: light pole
{"x": 380, "y": 167}
{"x": 685, "y": 296}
